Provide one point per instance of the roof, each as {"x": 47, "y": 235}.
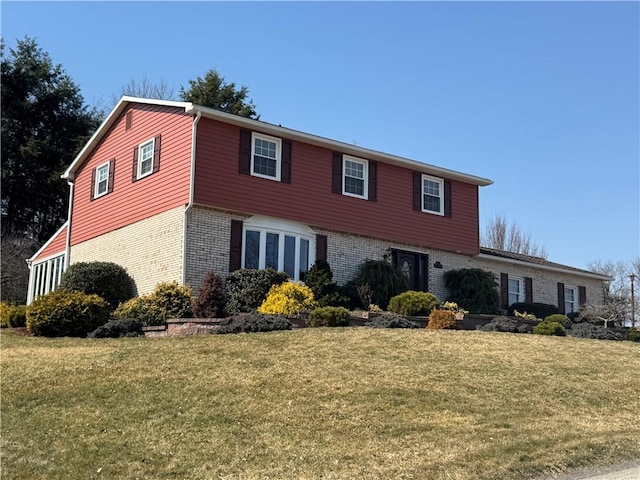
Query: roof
{"x": 272, "y": 129}
{"x": 539, "y": 262}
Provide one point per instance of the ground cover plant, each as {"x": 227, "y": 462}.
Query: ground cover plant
{"x": 316, "y": 403}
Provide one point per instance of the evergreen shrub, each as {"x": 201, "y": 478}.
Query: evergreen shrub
{"x": 559, "y": 318}
{"x": 384, "y": 281}
{"x": 289, "y": 298}
{"x": 326, "y": 292}
{"x": 246, "y": 289}
{"x": 503, "y": 324}
{"x": 597, "y": 332}
{"x": 550, "y": 328}
{"x": 65, "y": 313}
{"x": 143, "y": 309}
{"x": 253, "y": 322}
{"x": 209, "y": 303}
{"x": 390, "y": 320}
{"x": 413, "y": 303}
{"x": 116, "y": 328}
{"x": 329, "y": 317}
{"x": 106, "y": 279}
{"x": 168, "y": 300}
{"x": 13, "y": 316}
{"x": 473, "y": 289}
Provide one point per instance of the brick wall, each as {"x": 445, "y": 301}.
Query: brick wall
{"x": 150, "y": 250}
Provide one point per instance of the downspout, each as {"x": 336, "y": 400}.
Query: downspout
{"x": 67, "y": 250}
{"x": 194, "y": 132}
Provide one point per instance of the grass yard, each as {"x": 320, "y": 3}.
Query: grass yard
{"x": 352, "y": 403}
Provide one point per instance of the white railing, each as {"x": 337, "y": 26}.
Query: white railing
{"x": 44, "y": 277}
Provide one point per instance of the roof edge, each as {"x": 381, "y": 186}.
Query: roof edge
{"x": 47, "y": 243}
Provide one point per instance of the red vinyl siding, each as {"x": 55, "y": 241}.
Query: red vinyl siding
{"x": 309, "y": 198}
{"x": 130, "y": 202}
{"x": 56, "y": 247}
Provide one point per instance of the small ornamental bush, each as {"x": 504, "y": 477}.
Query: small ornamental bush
{"x": 108, "y": 280}
{"x": 329, "y": 317}
{"x": 290, "y": 298}
{"x": 320, "y": 280}
{"x": 559, "y": 318}
{"x": 253, "y": 322}
{"x": 13, "y": 316}
{"x": 246, "y": 289}
{"x": 65, "y": 313}
{"x": 143, "y": 309}
{"x": 473, "y": 289}
{"x": 633, "y": 335}
{"x": 550, "y": 328}
{"x": 383, "y": 280}
{"x": 117, "y": 328}
{"x": 173, "y": 299}
{"x": 209, "y": 303}
{"x": 4, "y": 314}
{"x": 540, "y": 310}
{"x": 597, "y": 332}
{"x": 503, "y": 324}
{"x": 440, "y": 319}
{"x": 525, "y": 316}
{"x": 391, "y": 320}
{"x": 413, "y": 303}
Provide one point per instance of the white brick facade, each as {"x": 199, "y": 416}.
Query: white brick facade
{"x": 150, "y": 250}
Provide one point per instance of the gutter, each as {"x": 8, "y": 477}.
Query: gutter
{"x": 194, "y": 131}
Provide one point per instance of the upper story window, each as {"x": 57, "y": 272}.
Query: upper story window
{"x": 101, "y": 186}
{"x": 570, "y": 299}
{"x": 354, "y": 177}
{"x": 432, "y": 195}
{"x": 266, "y": 155}
{"x": 516, "y": 290}
{"x": 146, "y": 158}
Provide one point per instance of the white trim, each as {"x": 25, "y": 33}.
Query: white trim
{"x": 45, "y": 276}
{"x": 440, "y": 182}
{"x": 267, "y": 138}
{"x": 365, "y": 179}
{"x": 192, "y": 173}
{"x": 96, "y": 185}
{"x": 47, "y": 243}
{"x": 139, "y": 173}
{"x": 594, "y": 276}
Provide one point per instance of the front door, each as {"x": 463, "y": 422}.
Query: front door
{"x": 414, "y": 266}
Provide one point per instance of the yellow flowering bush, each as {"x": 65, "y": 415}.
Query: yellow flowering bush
{"x": 453, "y": 307}
{"x": 525, "y": 315}
{"x": 289, "y": 298}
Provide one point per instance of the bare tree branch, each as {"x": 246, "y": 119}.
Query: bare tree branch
{"x": 502, "y": 235}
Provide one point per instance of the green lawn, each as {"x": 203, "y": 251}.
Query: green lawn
{"x": 316, "y": 403}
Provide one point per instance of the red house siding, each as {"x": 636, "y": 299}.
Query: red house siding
{"x": 309, "y": 198}
{"x": 130, "y": 202}
{"x": 56, "y": 247}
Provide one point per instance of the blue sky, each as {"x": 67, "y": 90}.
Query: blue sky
{"x": 541, "y": 97}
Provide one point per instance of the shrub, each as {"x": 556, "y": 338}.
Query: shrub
{"x": 253, "y": 322}
{"x": 329, "y": 317}
{"x": 503, "y": 324}
{"x": 526, "y": 316}
{"x": 439, "y": 319}
{"x": 559, "y": 318}
{"x": 246, "y": 289}
{"x": 143, "y": 309}
{"x": 209, "y": 303}
{"x": 633, "y": 335}
{"x": 125, "y": 327}
{"x": 549, "y": 328}
{"x": 413, "y": 303}
{"x": 473, "y": 289}
{"x": 320, "y": 280}
{"x": 289, "y": 298}
{"x": 540, "y": 310}
{"x": 108, "y": 280}
{"x": 4, "y": 314}
{"x": 17, "y": 316}
{"x": 173, "y": 299}
{"x": 598, "y": 332}
{"x": 66, "y": 313}
{"x": 391, "y": 320}
{"x": 383, "y": 280}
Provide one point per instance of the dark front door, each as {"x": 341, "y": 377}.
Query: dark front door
{"x": 414, "y": 266}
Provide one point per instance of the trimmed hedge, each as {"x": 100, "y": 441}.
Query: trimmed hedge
{"x": 106, "y": 279}
{"x": 65, "y": 313}
{"x": 547, "y": 327}
{"x": 246, "y": 289}
{"x": 253, "y": 322}
{"x": 413, "y": 303}
{"x": 329, "y": 317}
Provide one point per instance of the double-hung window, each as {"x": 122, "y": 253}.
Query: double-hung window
{"x": 570, "y": 299}
{"x": 355, "y": 177}
{"x": 266, "y": 156}
{"x": 516, "y": 291}
{"x": 432, "y": 195}
{"x": 145, "y": 158}
{"x": 101, "y": 185}
{"x": 282, "y": 246}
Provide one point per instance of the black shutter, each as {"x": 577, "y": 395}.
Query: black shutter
{"x": 112, "y": 173}
{"x": 582, "y": 295}
{"x": 93, "y": 184}
{"x": 528, "y": 289}
{"x": 134, "y": 173}
{"x": 235, "y": 246}
{"x": 321, "y": 247}
{"x": 337, "y": 173}
{"x": 417, "y": 191}
{"x": 244, "y": 164}
{"x": 373, "y": 181}
{"x": 156, "y": 153}
{"x": 447, "y": 198}
{"x": 561, "y": 297}
{"x": 504, "y": 290}
{"x": 285, "y": 170}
